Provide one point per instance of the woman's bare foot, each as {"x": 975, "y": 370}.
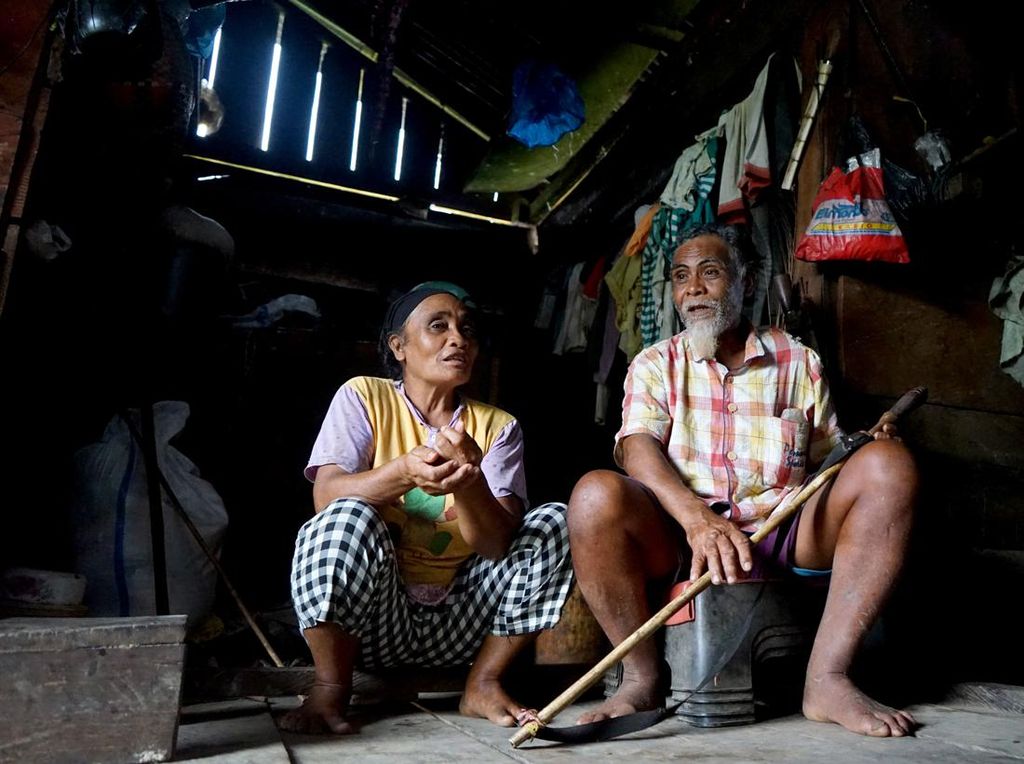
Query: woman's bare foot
{"x": 321, "y": 712}
{"x": 485, "y": 698}
{"x": 634, "y": 694}
{"x": 832, "y": 697}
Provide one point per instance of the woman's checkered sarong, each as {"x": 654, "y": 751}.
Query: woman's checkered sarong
{"x": 345, "y": 571}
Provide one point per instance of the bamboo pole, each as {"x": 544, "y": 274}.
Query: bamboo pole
{"x": 810, "y": 112}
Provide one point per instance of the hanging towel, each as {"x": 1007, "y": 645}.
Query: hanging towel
{"x": 1007, "y": 301}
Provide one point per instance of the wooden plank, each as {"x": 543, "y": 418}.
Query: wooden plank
{"x": 997, "y": 697}
{"x": 974, "y": 436}
{"x": 11, "y": 608}
{"x": 893, "y": 339}
{"x": 21, "y": 41}
{"x": 251, "y": 739}
{"x": 19, "y": 635}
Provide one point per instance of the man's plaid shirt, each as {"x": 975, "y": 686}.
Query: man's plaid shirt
{"x": 723, "y": 431}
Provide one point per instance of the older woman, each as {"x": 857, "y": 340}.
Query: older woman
{"x": 419, "y": 552}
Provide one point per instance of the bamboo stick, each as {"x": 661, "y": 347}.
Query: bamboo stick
{"x": 813, "y": 101}
{"x": 810, "y": 112}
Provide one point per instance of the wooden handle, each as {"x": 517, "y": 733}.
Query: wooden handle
{"x": 909, "y": 401}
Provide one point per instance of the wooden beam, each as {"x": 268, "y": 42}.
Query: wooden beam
{"x": 361, "y": 47}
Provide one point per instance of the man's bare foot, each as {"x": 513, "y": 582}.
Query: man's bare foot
{"x": 487, "y": 699}
{"x": 321, "y": 712}
{"x": 832, "y": 697}
{"x": 634, "y": 694}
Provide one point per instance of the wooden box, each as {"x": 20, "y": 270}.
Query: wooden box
{"x": 90, "y": 689}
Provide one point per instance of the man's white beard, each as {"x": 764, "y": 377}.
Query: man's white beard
{"x": 703, "y": 334}
{"x": 703, "y": 337}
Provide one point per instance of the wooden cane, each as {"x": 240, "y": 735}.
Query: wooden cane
{"x": 528, "y": 731}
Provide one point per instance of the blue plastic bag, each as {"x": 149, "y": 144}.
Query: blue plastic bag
{"x": 546, "y": 104}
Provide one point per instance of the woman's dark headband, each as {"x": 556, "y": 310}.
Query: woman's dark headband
{"x": 403, "y": 307}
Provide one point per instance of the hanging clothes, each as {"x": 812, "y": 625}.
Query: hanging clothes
{"x": 636, "y": 242}
{"x": 693, "y": 175}
{"x": 747, "y": 160}
{"x": 623, "y": 281}
{"x": 579, "y": 314}
{"x": 657, "y": 313}
{"x": 602, "y": 349}
{"x": 1006, "y": 299}
{"x": 592, "y": 281}
{"x": 665, "y": 230}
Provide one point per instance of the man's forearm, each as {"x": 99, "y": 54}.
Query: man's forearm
{"x": 644, "y": 460}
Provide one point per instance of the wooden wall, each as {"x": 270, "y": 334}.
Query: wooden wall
{"x": 23, "y": 31}
{"x": 891, "y": 327}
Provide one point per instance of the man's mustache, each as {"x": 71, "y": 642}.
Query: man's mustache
{"x": 695, "y": 304}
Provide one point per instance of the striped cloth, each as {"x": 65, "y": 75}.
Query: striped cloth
{"x": 667, "y": 227}
{"x": 723, "y": 431}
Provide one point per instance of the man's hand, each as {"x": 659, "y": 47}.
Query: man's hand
{"x": 453, "y": 443}
{"x": 888, "y": 432}
{"x": 719, "y": 546}
{"x": 435, "y": 474}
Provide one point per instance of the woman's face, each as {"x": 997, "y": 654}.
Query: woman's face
{"x": 438, "y": 343}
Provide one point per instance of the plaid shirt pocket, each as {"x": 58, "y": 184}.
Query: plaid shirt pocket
{"x": 784, "y": 458}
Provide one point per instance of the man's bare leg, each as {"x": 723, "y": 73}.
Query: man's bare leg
{"x": 622, "y": 543}
{"x": 860, "y": 527}
{"x": 484, "y": 696}
{"x": 334, "y": 654}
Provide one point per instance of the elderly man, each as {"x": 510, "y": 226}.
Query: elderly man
{"x": 719, "y": 424}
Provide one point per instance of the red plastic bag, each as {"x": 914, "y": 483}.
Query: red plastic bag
{"x": 852, "y": 220}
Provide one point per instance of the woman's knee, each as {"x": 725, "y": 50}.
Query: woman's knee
{"x": 548, "y": 521}
{"x": 346, "y": 519}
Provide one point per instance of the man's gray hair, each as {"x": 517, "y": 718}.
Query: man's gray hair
{"x": 734, "y": 239}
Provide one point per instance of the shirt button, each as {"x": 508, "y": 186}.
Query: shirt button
{"x": 731, "y": 456}
{"x": 732, "y": 407}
